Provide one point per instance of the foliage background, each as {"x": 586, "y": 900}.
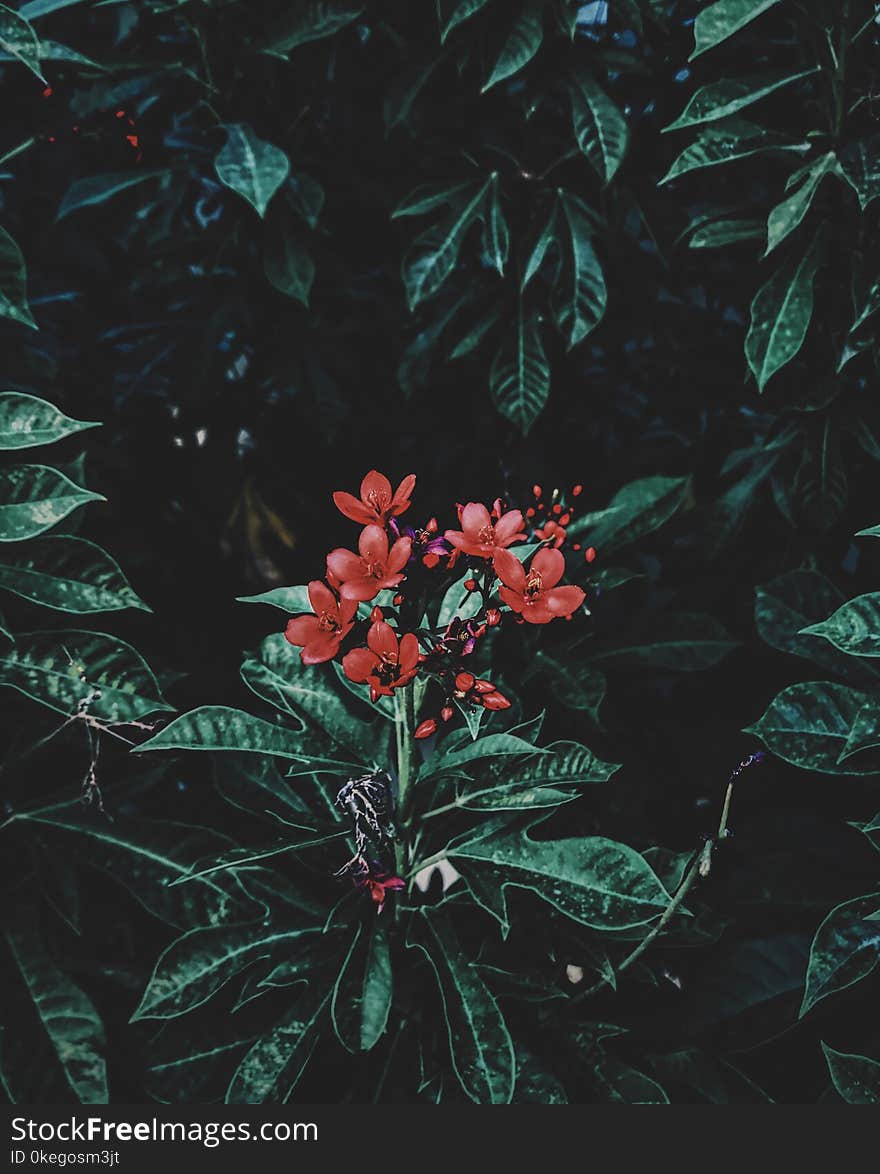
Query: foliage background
{"x": 245, "y": 366}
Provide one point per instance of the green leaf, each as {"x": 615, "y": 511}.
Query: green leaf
{"x": 726, "y": 142}
{"x": 786, "y": 217}
{"x": 455, "y": 12}
{"x": 363, "y": 991}
{"x": 685, "y": 642}
{"x": 854, "y": 628}
{"x": 719, "y": 233}
{"x": 458, "y": 603}
{"x": 599, "y": 127}
{"x": 475, "y": 336}
{"x": 781, "y": 313}
{"x": 522, "y": 43}
{"x": 576, "y": 686}
{"x": 19, "y": 38}
{"x": 37, "y": 8}
{"x": 787, "y": 604}
{"x": 856, "y": 1078}
{"x": 541, "y": 780}
{"x": 306, "y": 197}
{"x": 292, "y": 600}
{"x": 519, "y": 380}
{"x": 197, "y": 965}
{"x": 252, "y": 168}
{"x": 860, "y": 163}
{"x": 725, "y": 97}
{"x": 480, "y": 1046}
{"x": 310, "y": 692}
{"x": 433, "y": 255}
{"x": 593, "y": 880}
{"x": 808, "y": 725}
{"x": 845, "y": 950}
{"x": 870, "y": 532}
{"x": 635, "y": 510}
{"x": 496, "y": 234}
{"x": 626, "y": 1085}
{"x": 429, "y": 196}
{"x": 864, "y": 733}
{"x": 34, "y": 498}
{"x": 73, "y": 672}
{"x": 288, "y": 266}
{"x": 68, "y": 1016}
{"x": 585, "y": 307}
{"x": 97, "y": 189}
{"x": 724, "y": 18}
{"x": 13, "y": 283}
{"x": 491, "y": 746}
{"x": 68, "y": 574}
{"x": 271, "y": 1069}
{"x": 26, "y": 422}
{"x": 545, "y": 240}
{"x": 312, "y": 20}
{"x": 218, "y": 727}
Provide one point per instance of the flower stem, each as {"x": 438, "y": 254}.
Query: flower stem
{"x": 404, "y": 724}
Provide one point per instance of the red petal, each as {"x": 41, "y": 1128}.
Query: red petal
{"x": 474, "y": 517}
{"x": 456, "y": 537}
{"x": 383, "y": 641}
{"x": 373, "y": 544}
{"x": 513, "y": 599}
{"x": 321, "y": 597}
{"x": 564, "y": 601}
{"x": 301, "y": 630}
{"x": 344, "y": 564}
{"x": 347, "y": 608}
{"x": 359, "y": 664}
{"x": 510, "y": 570}
{"x": 323, "y": 648}
{"x": 409, "y": 652}
{"x": 362, "y": 589}
{"x": 508, "y": 528}
{"x": 402, "y": 494}
{"x": 550, "y": 565}
{"x": 378, "y": 484}
{"x": 399, "y": 554}
{"x": 354, "y": 509}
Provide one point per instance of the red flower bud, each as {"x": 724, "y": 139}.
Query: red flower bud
{"x": 495, "y": 701}
{"x": 557, "y": 509}
{"x": 464, "y": 682}
{"x": 447, "y": 712}
{"x": 537, "y": 490}
{"x": 470, "y": 584}
{"x": 483, "y": 687}
{"x": 590, "y": 553}
{"x": 481, "y": 631}
{"x": 530, "y": 513}
{"x": 398, "y": 600}
{"x": 426, "y": 728}
{"x": 493, "y": 617}
{"x": 431, "y": 559}
{"x": 376, "y": 615}
{"x": 432, "y": 526}
{"x": 565, "y": 519}
{"x": 577, "y": 491}
{"x": 497, "y": 508}
{"x": 576, "y": 546}
{"x": 374, "y": 693}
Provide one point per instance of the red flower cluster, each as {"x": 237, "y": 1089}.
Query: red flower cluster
{"x": 393, "y": 557}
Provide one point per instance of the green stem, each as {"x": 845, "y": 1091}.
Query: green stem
{"x": 404, "y": 724}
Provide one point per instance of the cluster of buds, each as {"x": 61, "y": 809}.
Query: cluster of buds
{"x": 413, "y": 563}
{"x": 549, "y": 520}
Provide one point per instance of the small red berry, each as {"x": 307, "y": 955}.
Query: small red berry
{"x": 557, "y": 509}
{"x": 464, "y": 682}
{"x": 590, "y": 554}
{"x": 530, "y": 513}
{"x": 470, "y": 584}
{"x": 426, "y": 728}
{"x": 565, "y": 519}
{"x": 537, "y": 490}
{"x": 577, "y": 491}
{"x": 398, "y": 600}
{"x": 576, "y": 546}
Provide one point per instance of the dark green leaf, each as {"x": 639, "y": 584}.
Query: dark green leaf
{"x": 311, "y": 20}
{"x": 845, "y": 950}
{"x": 271, "y": 1069}
{"x": 519, "y": 381}
{"x": 18, "y": 38}
{"x": 726, "y": 142}
{"x": 68, "y": 574}
{"x": 522, "y": 43}
{"x": 722, "y": 98}
{"x": 26, "y": 421}
{"x": 808, "y": 725}
{"x": 584, "y": 308}
{"x": 599, "y": 127}
{"x": 362, "y": 993}
{"x": 97, "y": 189}
{"x": 251, "y": 167}
{"x": 218, "y": 727}
{"x": 860, "y": 163}
{"x": 856, "y": 1078}
{"x": 724, "y": 18}
{"x": 33, "y": 498}
{"x": 854, "y": 628}
{"x": 13, "y": 283}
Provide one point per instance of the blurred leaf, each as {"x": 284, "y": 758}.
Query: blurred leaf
{"x": 635, "y": 510}
{"x": 685, "y": 642}
{"x": 271, "y": 1069}
{"x": 288, "y": 266}
{"x": 719, "y": 233}
{"x": 455, "y": 12}
{"x": 786, "y": 217}
{"x": 311, "y": 20}
{"x": 13, "y": 283}
{"x": 433, "y": 255}
{"x": 97, "y": 189}
{"x": 861, "y": 167}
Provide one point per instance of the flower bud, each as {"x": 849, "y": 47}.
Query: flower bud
{"x": 470, "y": 584}
{"x": 432, "y": 526}
{"x": 376, "y": 615}
{"x": 590, "y": 554}
{"x": 495, "y": 701}
{"x": 398, "y": 600}
{"x": 565, "y": 519}
{"x": 447, "y": 712}
{"x": 537, "y": 491}
{"x": 493, "y": 617}
{"x": 483, "y": 687}
{"x": 577, "y": 491}
{"x": 557, "y": 509}
{"x": 431, "y": 559}
{"x": 426, "y": 728}
{"x": 464, "y": 682}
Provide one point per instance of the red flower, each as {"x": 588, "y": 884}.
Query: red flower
{"x": 362, "y": 576}
{"x": 320, "y": 635}
{"x": 533, "y": 593}
{"x": 478, "y": 535}
{"x": 386, "y": 663}
{"x": 551, "y": 531}
{"x": 377, "y": 504}
{"x": 379, "y": 886}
